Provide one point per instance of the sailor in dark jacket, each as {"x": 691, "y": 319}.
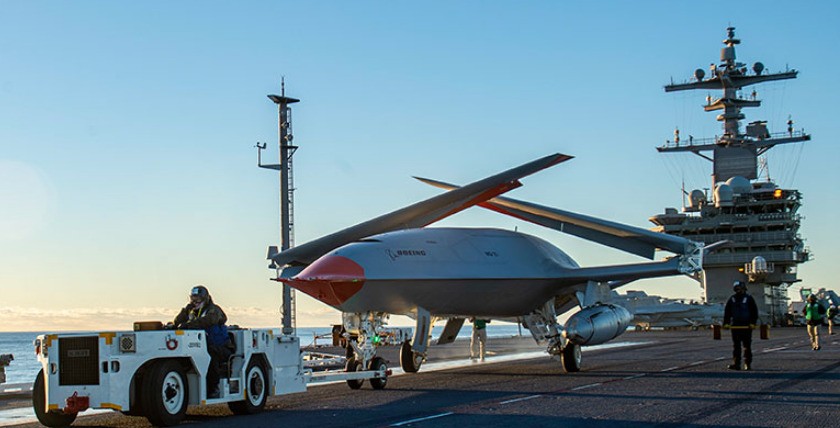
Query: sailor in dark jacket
{"x": 201, "y": 313}
{"x": 740, "y": 315}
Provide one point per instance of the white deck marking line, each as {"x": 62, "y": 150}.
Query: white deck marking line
{"x": 591, "y": 385}
{"x": 634, "y": 376}
{"x": 669, "y": 369}
{"x": 515, "y": 400}
{"x": 421, "y": 419}
{"x": 775, "y": 349}
{"x": 696, "y": 363}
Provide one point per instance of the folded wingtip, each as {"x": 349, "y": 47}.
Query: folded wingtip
{"x": 562, "y": 157}
{"x": 550, "y": 160}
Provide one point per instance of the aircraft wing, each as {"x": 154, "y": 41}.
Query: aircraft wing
{"x": 615, "y": 276}
{"x": 635, "y": 240}
{"x": 627, "y": 272}
{"x": 419, "y": 214}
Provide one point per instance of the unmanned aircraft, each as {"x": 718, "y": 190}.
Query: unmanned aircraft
{"x": 392, "y": 264}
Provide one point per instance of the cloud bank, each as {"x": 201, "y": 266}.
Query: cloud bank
{"x": 48, "y": 320}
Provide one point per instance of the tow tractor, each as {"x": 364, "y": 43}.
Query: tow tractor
{"x": 157, "y": 373}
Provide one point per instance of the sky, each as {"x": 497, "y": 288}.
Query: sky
{"x": 127, "y": 130}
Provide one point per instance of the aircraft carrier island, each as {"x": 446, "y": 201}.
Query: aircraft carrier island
{"x": 758, "y": 219}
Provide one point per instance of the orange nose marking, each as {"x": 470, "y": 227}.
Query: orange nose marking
{"x": 331, "y": 279}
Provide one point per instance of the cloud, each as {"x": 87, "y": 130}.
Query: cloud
{"x": 43, "y": 320}
{"x": 36, "y": 319}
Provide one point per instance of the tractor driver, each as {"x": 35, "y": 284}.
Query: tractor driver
{"x": 201, "y": 313}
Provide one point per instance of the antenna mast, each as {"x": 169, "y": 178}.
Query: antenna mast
{"x": 286, "y": 151}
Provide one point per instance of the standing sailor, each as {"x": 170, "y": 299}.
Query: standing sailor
{"x": 740, "y": 316}
{"x": 813, "y": 312}
{"x": 478, "y": 339}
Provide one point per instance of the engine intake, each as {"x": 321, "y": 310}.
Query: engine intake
{"x": 597, "y": 324}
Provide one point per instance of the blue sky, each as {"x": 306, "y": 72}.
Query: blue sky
{"x": 127, "y": 167}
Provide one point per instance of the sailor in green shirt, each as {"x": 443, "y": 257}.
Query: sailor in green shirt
{"x": 479, "y": 338}
{"x": 814, "y": 313}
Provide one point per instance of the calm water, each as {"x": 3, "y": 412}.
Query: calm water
{"x": 25, "y": 366}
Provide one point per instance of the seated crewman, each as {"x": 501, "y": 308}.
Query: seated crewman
{"x": 202, "y": 313}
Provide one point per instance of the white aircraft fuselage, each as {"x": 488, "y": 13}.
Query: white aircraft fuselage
{"x": 447, "y": 271}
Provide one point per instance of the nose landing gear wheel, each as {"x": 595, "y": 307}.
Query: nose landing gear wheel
{"x": 354, "y": 366}
{"x": 378, "y": 363}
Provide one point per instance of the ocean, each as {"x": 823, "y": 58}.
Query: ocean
{"x": 25, "y": 366}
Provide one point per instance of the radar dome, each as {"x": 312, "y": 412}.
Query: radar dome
{"x": 758, "y": 68}
{"x": 723, "y": 195}
{"x": 697, "y": 198}
{"x": 739, "y": 185}
{"x": 759, "y": 264}
{"x": 699, "y": 74}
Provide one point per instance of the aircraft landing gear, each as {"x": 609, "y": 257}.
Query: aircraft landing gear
{"x": 413, "y": 354}
{"x": 542, "y": 323}
{"x": 362, "y": 338}
{"x": 571, "y": 358}
{"x": 410, "y": 361}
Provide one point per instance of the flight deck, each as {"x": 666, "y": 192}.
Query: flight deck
{"x": 661, "y": 378}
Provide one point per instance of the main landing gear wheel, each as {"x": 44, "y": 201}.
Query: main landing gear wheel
{"x": 354, "y": 366}
{"x": 256, "y": 390}
{"x": 39, "y": 404}
{"x": 571, "y": 358}
{"x": 166, "y": 392}
{"x": 376, "y": 364}
{"x": 409, "y": 360}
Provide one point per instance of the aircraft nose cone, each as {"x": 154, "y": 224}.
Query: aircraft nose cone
{"x": 331, "y": 279}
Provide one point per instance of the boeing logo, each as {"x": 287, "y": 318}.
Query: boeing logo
{"x": 395, "y": 254}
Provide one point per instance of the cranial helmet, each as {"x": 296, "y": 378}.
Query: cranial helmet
{"x": 739, "y": 284}
{"x": 812, "y": 298}
{"x": 199, "y": 294}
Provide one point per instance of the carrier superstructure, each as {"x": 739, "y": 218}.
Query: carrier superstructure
{"x": 758, "y": 218}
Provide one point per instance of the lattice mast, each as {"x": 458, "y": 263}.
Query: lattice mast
{"x": 286, "y": 151}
